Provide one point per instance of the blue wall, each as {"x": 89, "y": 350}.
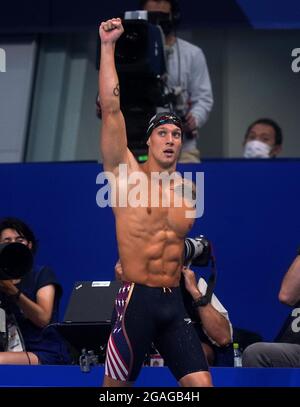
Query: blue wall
{"x": 69, "y": 377}
{"x": 251, "y": 216}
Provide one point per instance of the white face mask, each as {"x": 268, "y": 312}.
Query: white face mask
{"x": 257, "y": 149}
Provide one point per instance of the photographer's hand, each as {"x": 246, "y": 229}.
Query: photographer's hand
{"x": 191, "y": 283}
{"x": 38, "y": 312}
{"x": 190, "y": 124}
{"x": 215, "y": 325}
{"x": 8, "y": 287}
{"x": 118, "y": 270}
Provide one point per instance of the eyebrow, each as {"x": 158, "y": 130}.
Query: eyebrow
{"x": 260, "y": 134}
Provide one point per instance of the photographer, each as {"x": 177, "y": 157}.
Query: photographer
{"x": 30, "y": 304}
{"x": 188, "y": 78}
{"x": 210, "y": 319}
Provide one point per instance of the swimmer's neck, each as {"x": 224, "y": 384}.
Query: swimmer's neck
{"x": 152, "y": 165}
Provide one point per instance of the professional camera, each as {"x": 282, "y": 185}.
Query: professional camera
{"x": 87, "y": 359}
{"x": 197, "y": 251}
{"x": 135, "y": 45}
{"x": 140, "y": 50}
{"x": 15, "y": 260}
{"x": 141, "y": 67}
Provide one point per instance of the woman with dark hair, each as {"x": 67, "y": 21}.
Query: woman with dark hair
{"x": 31, "y": 304}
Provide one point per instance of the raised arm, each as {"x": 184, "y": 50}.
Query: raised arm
{"x": 290, "y": 286}
{"x": 113, "y": 141}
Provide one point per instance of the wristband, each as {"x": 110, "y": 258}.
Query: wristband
{"x": 201, "y": 302}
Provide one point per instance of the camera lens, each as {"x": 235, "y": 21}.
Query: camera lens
{"x": 192, "y": 249}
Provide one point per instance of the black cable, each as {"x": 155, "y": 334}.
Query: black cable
{"x": 29, "y": 361}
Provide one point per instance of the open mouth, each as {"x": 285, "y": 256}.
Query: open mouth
{"x": 168, "y": 152}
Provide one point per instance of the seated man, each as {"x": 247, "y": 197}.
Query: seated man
{"x": 285, "y": 351}
{"x": 263, "y": 139}
{"x": 30, "y": 304}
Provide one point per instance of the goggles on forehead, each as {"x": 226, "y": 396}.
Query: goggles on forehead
{"x": 163, "y": 118}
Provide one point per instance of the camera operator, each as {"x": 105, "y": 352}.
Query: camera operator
{"x": 188, "y": 78}
{"x": 30, "y": 304}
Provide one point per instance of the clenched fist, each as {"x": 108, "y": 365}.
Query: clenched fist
{"x": 111, "y": 30}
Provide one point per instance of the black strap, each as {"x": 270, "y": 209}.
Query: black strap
{"x": 211, "y": 283}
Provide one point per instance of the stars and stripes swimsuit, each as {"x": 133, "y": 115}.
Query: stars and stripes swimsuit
{"x": 152, "y": 314}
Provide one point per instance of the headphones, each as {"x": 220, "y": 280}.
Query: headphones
{"x": 175, "y": 10}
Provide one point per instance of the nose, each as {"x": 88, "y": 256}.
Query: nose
{"x": 169, "y": 139}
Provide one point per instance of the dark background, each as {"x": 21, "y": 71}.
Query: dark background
{"x": 61, "y": 15}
